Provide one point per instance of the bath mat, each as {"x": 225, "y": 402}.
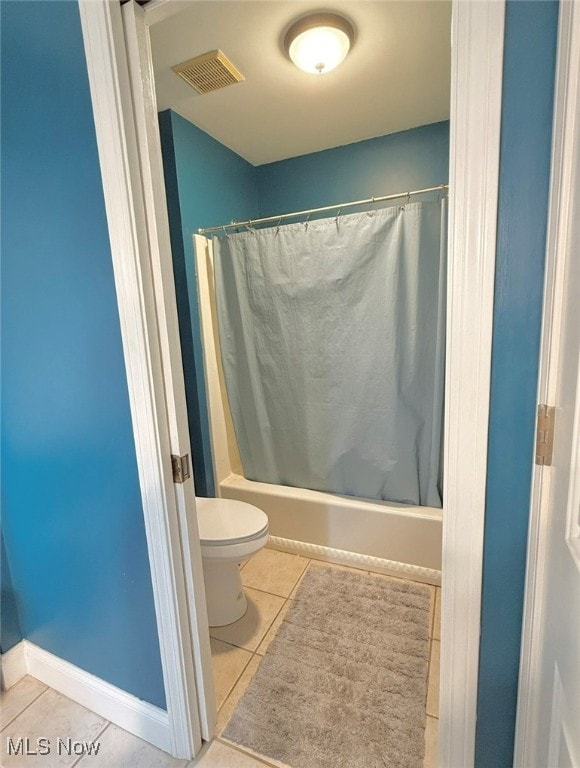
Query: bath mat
{"x": 343, "y": 683}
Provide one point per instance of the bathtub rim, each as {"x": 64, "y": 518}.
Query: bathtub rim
{"x": 324, "y": 545}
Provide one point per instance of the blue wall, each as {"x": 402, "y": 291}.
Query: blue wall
{"x": 10, "y": 631}
{"x": 388, "y": 165}
{"x": 528, "y": 83}
{"x": 206, "y": 184}
{"x": 72, "y": 515}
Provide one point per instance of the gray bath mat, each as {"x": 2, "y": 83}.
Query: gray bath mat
{"x": 343, "y": 683}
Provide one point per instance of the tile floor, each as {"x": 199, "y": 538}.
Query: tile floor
{"x": 271, "y": 578}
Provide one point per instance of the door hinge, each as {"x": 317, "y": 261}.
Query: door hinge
{"x": 180, "y": 466}
{"x": 545, "y": 435}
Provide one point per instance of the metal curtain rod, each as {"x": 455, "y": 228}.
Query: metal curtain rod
{"x": 309, "y": 211}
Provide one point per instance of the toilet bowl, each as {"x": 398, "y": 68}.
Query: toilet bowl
{"x": 230, "y": 533}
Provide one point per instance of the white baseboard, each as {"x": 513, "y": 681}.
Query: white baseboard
{"x": 140, "y": 718}
{"x": 13, "y": 666}
{"x": 356, "y": 560}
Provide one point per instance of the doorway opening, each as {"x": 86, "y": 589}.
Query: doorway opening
{"x": 473, "y": 178}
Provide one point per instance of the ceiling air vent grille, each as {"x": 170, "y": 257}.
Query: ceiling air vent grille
{"x": 208, "y": 72}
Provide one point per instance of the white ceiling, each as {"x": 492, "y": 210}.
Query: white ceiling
{"x": 395, "y": 77}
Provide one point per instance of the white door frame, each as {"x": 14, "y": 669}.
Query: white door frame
{"x": 147, "y": 303}
{"x": 565, "y": 146}
{"x": 147, "y": 310}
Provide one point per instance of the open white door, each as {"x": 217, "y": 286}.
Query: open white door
{"x": 118, "y": 59}
{"x": 149, "y": 147}
{"x": 548, "y": 732}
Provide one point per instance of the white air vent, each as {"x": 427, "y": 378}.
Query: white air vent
{"x": 208, "y": 72}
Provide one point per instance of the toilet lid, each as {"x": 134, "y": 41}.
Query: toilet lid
{"x": 226, "y": 521}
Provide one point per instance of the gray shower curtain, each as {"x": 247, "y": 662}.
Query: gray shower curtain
{"x": 332, "y": 335}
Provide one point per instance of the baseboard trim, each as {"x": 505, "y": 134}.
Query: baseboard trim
{"x": 140, "y": 718}
{"x": 356, "y": 560}
{"x": 13, "y": 666}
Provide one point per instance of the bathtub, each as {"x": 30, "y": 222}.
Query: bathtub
{"x": 385, "y": 537}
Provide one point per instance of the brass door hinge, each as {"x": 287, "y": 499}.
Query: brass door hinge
{"x": 180, "y": 466}
{"x": 545, "y": 435}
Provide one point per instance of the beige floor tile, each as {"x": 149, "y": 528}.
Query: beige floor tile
{"x": 121, "y": 749}
{"x": 437, "y": 622}
{"x": 340, "y": 566}
{"x": 248, "y": 632}
{"x": 431, "y": 743}
{"x": 292, "y": 594}
{"x": 271, "y": 633}
{"x": 274, "y": 572}
{"x": 231, "y": 702}
{"x": 433, "y": 686}
{"x": 228, "y": 663}
{"x": 261, "y": 760}
{"x": 13, "y": 701}
{"x": 221, "y": 756}
{"x": 52, "y": 717}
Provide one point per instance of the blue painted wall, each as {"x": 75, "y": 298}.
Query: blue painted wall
{"x": 387, "y": 165}
{"x": 528, "y": 84}
{"x": 10, "y": 631}
{"x": 206, "y": 184}
{"x": 72, "y": 516}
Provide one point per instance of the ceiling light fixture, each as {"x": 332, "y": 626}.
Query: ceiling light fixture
{"x": 319, "y": 43}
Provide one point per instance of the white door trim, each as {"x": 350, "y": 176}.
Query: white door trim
{"x": 141, "y": 334}
{"x": 565, "y": 143}
{"x": 152, "y": 179}
{"x": 476, "y": 94}
{"x": 477, "y": 57}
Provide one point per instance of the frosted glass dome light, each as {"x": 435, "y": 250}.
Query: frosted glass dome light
{"x": 318, "y": 44}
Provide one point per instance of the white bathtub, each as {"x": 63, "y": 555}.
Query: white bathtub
{"x": 380, "y": 536}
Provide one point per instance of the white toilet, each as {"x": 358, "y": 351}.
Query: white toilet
{"x": 230, "y": 533}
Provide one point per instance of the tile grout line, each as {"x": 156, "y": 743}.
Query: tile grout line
{"x": 300, "y": 575}
{"x": 307, "y": 560}
{"x": 230, "y": 693}
{"x": 243, "y": 648}
{"x": 428, "y": 675}
{"x": 236, "y": 680}
{"x": 269, "y": 628}
{"x": 300, "y": 579}
{"x": 433, "y": 641}
{"x": 431, "y": 631}
{"x": 239, "y": 748}
{"x": 265, "y": 592}
{"x": 225, "y": 701}
{"x": 30, "y": 703}
{"x": 272, "y": 594}
{"x": 432, "y": 622}
{"x": 98, "y": 736}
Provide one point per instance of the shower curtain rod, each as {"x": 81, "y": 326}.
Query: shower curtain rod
{"x": 309, "y": 211}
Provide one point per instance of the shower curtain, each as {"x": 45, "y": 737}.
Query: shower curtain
{"x": 332, "y": 335}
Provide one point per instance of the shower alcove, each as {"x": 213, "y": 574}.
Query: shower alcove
{"x": 382, "y": 536}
